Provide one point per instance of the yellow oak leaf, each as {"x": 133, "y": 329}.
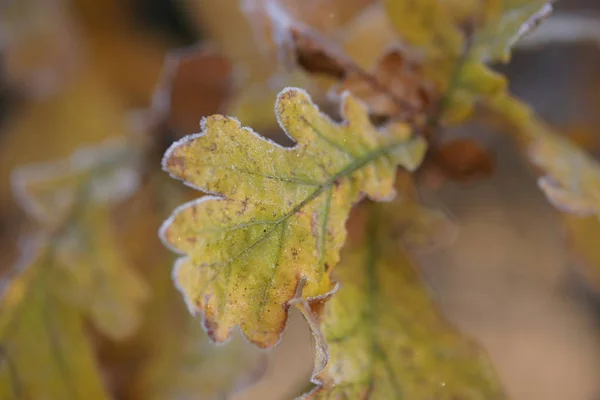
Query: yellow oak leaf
{"x": 252, "y": 104}
{"x": 99, "y": 174}
{"x": 458, "y": 37}
{"x": 380, "y": 336}
{"x": 96, "y": 276}
{"x": 572, "y": 180}
{"x": 569, "y": 177}
{"x": 44, "y": 350}
{"x": 70, "y": 200}
{"x": 444, "y": 27}
{"x": 281, "y": 216}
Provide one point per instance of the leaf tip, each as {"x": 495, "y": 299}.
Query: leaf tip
{"x": 352, "y": 107}
{"x": 288, "y": 96}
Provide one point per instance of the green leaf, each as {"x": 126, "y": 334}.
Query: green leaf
{"x": 281, "y": 218}
{"x": 380, "y": 336}
{"x": 44, "y": 350}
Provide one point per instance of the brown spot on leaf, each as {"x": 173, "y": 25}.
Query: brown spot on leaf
{"x": 244, "y": 206}
{"x": 176, "y": 163}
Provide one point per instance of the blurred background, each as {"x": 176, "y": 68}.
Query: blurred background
{"x": 74, "y": 73}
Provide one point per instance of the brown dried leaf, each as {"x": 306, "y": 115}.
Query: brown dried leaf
{"x": 395, "y": 88}
{"x": 317, "y": 56}
{"x": 194, "y": 83}
{"x": 464, "y": 160}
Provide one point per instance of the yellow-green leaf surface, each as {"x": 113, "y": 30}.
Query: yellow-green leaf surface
{"x": 464, "y": 34}
{"x": 96, "y": 276}
{"x": 70, "y": 200}
{"x": 380, "y": 336}
{"x": 281, "y": 216}
{"x": 570, "y": 178}
{"x": 44, "y": 351}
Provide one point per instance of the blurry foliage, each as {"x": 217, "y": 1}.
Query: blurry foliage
{"x": 378, "y": 347}
{"x": 99, "y": 91}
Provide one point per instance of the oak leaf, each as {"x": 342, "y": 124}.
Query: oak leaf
{"x": 449, "y": 45}
{"x": 458, "y": 38}
{"x": 280, "y": 218}
{"x": 396, "y": 87}
{"x": 569, "y": 177}
{"x": 69, "y": 199}
{"x": 380, "y": 336}
{"x": 44, "y": 349}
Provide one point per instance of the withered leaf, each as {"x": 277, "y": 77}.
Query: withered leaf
{"x": 194, "y": 83}
{"x": 395, "y": 88}
{"x": 463, "y": 159}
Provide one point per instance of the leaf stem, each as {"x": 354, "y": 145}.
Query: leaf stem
{"x": 434, "y": 120}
